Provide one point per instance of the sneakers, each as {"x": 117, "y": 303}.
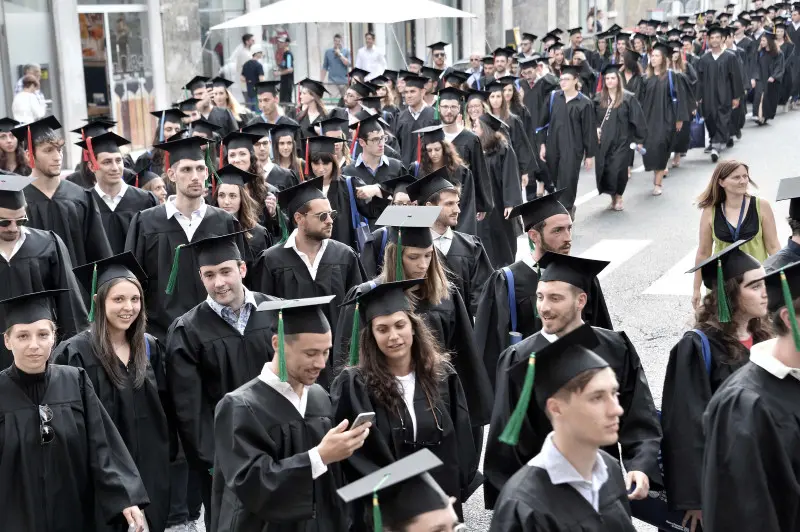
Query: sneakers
{"x": 708, "y": 149}
{"x": 177, "y": 528}
{"x": 191, "y": 526}
{"x": 714, "y": 155}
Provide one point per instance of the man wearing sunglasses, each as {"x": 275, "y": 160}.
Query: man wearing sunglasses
{"x": 439, "y": 55}
{"x": 33, "y": 260}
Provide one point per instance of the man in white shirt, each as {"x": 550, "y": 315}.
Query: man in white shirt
{"x": 369, "y": 57}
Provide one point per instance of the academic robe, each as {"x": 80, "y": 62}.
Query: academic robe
{"x": 52, "y": 487}
{"x": 339, "y": 197}
{"x": 137, "y": 414}
{"x": 43, "y": 263}
{"x": 750, "y": 473}
{"x": 262, "y": 470}
{"x": 635, "y": 85}
{"x": 688, "y": 388}
{"x": 257, "y": 240}
{"x": 493, "y": 317}
{"x": 785, "y": 256}
{"x": 740, "y": 113}
{"x": 464, "y": 180}
{"x": 153, "y": 238}
{"x": 442, "y": 426}
{"x": 146, "y": 161}
{"x": 521, "y": 144}
{"x": 571, "y": 134}
{"x": 530, "y": 502}
{"x": 620, "y": 127}
{"x": 766, "y": 93}
{"x": 661, "y": 113}
{"x": 405, "y": 125}
{"x": 639, "y": 428}
{"x": 682, "y": 138}
{"x": 534, "y": 98}
{"x": 499, "y": 235}
{"x": 384, "y": 172}
{"x": 718, "y": 84}
{"x": 788, "y": 49}
{"x": 73, "y": 215}
{"x": 207, "y": 358}
{"x": 470, "y": 267}
{"x": 117, "y": 222}
{"x": 281, "y": 178}
{"x": 468, "y": 146}
{"x": 223, "y": 118}
{"x": 280, "y": 272}
{"x": 307, "y": 126}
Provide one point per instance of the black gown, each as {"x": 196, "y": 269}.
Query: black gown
{"x": 493, "y": 317}
{"x": 153, "y": 238}
{"x": 661, "y": 114}
{"x": 751, "y": 455}
{"x": 625, "y": 124}
{"x": 307, "y": 126}
{"x": 682, "y": 139}
{"x": 719, "y": 82}
{"x": 447, "y": 431}
{"x": 384, "y": 172}
{"x": 470, "y": 267}
{"x": 339, "y": 197}
{"x": 280, "y": 272}
{"x": 468, "y": 146}
{"x": 785, "y": 256}
{"x": 223, "y": 118}
{"x": 72, "y": 214}
{"x": 281, "y": 178}
{"x": 405, "y": 125}
{"x": 639, "y": 429}
{"x": 687, "y": 390}
{"x": 52, "y": 487}
{"x": 117, "y": 222}
{"x": 534, "y": 98}
{"x": 789, "y": 72}
{"x": 530, "y": 502}
{"x": 526, "y": 161}
{"x": 42, "y": 263}
{"x": 207, "y": 358}
{"x": 499, "y": 236}
{"x": 262, "y": 471}
{"x": 766, "y": 93}
{"x": 137, "y": 414}
{"x": 465, "y": 181}
{"x": 571, "y": 135}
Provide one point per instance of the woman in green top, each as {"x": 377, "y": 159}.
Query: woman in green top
{"x": 730, "y": 213}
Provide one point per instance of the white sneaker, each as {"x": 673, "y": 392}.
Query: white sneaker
{"x": 191, "y": 526}
{"x": 177, "y": 528}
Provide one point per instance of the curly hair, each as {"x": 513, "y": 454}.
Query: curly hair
{"x": 706, "y": 319}
{"x": 431, "y": 365}
{"x": 450, "y": 158}
{"x": 20, "y": 159}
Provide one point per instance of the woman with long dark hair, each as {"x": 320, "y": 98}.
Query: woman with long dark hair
{"x": 766, "y": 73}
{"x": 621, "y": 122}
{"x": 240, "y": 152}
{"x": 284, "y": 151}
{"x": 784, "y": 43}
{"x": 126, "y": 368}
{"x": 731, "y": 319}
{"x": 12, "y": 156}
{"x": 498, "y": 106}
{"x": 680, "y": 144}
{"x": 402, "y": 373}
{"x": 389, "y": 98}
{"x": 632, "y": 74}
{"x": 312, "y": 108}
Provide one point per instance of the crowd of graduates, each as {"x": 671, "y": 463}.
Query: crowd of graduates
{"x": 304, "y": 319}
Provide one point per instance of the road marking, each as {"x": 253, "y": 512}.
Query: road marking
{"x": 638, "y": 169}
{"x": 676, "y": 282}
{"x": 586, "y": 197}
{"x": 615, "y": 251}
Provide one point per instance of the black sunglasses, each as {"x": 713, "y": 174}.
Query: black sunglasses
{"x": 46, "y": 432}
{"x": 323, "y": 216}
{"x": 19, "y": 221}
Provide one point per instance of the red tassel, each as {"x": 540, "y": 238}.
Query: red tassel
{"x": 599, "y": 86}
{"x": 166, "y": 161}
{"x": 221, "y": 155}
{"x": 136, "y": 183}
{"x": 85, "y": 153}
{"x": 355, "y": 139}
{"x": 213, "y": 186}
{"x": 308, "y": 164}
{"x": 419, "y": 150}
{"x": 91, "y": 153}
{"x": 30, "y": 148}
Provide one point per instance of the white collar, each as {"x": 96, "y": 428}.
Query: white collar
{"x": 561, "y": 471}
{"x": 172, "y": 210}
{"x": 249, "y": 299}
{"x": 268, "y": 377}
{"x": 119, "y": 195}
{"x": 761, "y": 355}
{"x": 448, "y": 235}
{"x": 268, "y": 167}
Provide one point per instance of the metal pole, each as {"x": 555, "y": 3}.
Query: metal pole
{"x": 397, "y": 41}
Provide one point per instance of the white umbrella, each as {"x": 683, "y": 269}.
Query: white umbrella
{"x": 350, "y": 11}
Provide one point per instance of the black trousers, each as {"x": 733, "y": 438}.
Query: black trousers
{"x": 185, "y": 493}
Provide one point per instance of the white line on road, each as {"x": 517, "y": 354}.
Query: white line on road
{"x": 638, "y": 169}
{"x": 586, "y": 197}
{"x": 615, "y": 251}
{"x": 675, "y": 282}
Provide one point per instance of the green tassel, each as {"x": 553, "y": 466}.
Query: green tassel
{"x": 789, "y": 301}
{"x": 531, "y": 245}
{"x": 398, "y": 263}
{"x": 212, "y": 172}
{"x": 173, "y": 273}
{"x": 723, "y": 309}
{"x": 94, "y": 291}
{"x": 510, "y": 435}
{"x": 354, "y": 339}
{"x": 436, "y": 110}
{"x": 377, "y": 517}
{"x": 283, "y": 374}
{"x": 281, "y": 224}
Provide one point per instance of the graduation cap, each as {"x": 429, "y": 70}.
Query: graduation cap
{"x": 197, "y": 82}
{"x": 781, "y": 285}
{"x": 789, "y": 188}
{"x": 233, "y": 175}
{"x": 371, "y": 102}
{"x": 556, "y": 31}
{"x": 414, "y": 60}
{"x": 219, "y": 81}
{"x": 260, "y": 129}
{"x": 94, "y": 275}
{"x": 271, "y": 87}
{"x": 573, "y": 70}
{"x": 555, "y": 46}
{"x": 30, "y": 133}
{"x": 487, "y": 59}
{"x": 577, "y": 271}
{"x": 674, "y": 32}
{"x": 687, "y": 38}
{"x": 643, "y": 21}
{"x": 507, "y": 80}
{"x": 29, "y": 308}
{"x": 529, "y": 37}
{"x": 358, "y": 73}
{"x": 391, "y": 74}
{"x": 314, "y": 86}
{"x": 432, "y": 73}
{"x": 473, "y": 94}
{"x": 297, "y": 316}
{"x": 426, "y": 186}
{"x": 494, "y": 86}
{"x": 768, "y": 34}
{"x": 172, "y": 115}
{"x": 203, "y": 126}
{"x": 397, "y": 184}
{"x": 333, "y": 123}
{"x": 12, "y": 196}
{"x": 321, "y": 145}
{"x": 575, "y": 31}
{"x": 683, "y": 18}
{"x": 723, "y": 266}
{"x": 362, "y": 89}
{"x": 142, "y": 177}
{"x": 416, "y": 81}
{"x": 409, "y": 226}
{"x": 663, "y": 48}
{"x": 106, "y": 143}
{"x": 187, "y": 105}
{"x": 502, "y": 52}
{"x": 7, "y": 124}
{"x": 451, "y": 93}
{"x": 545, "y": 372}
{"x": 284, "y": 130}
{"x": 536, "y": 211}
{"x": 94, "y": 128}
{"x": 718, "y": 30}
{"x": 191, "y": 148}
{"x": 438, "y": 46}
{"x": 723, "y": 15}
{"x": 293, "y": 198}
{"x": 239, "y": 139}
{"x": 209, "y": 252}
{"x": 379, "y": 80}
{"x": 431, "y": 134}
{"x": 492, "y": 122}
{"x": 455, "y": 77}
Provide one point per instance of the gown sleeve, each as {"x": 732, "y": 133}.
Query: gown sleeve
{"x": 598, "y": 315}
{"x": 512, "y": 515}
{"x": 72, "y": 316}
{"x": 492, "y": 321}
{"x": 637, "y": 123}
{"x": 97, "y": 247}
{"x": 512, "y": 184}
{"x": 478, "y": 276}
{"x": 588, "y": 130}
{"x": 778, "y": 67}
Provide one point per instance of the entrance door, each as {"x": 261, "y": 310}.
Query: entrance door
{"x": 117, "y": 69}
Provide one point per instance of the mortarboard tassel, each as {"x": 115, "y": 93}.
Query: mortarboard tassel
{"x": 212, "y": 172}
{"x": 419, "y": 149}
{"x": 436, "y": 110}
{"x": 398, "y": 262}
{"x": 789, "y": 301}
{"x": 31, "y": 162}
{"x": 354, "y": 339}
{"x": 308, "y": 164}
{"x": 221, "y": 154}
{"x": 92, "y": 295}
{"x": 166, "y": 160}
{"x": 83, "y": 138}
{"x": 355, "y": 141}
{"x": 136, "y": 183}
{"x": 723, "y": 308}
{"x": 281, "y": 224}
{"x": 161, "y": 129}
{"x": 510, "y": 435}
{"x": 377, "y": 517}
{"x": 173, "y": 273}
{"x": 92, "y": 158}
{"x": 283, "y": 374}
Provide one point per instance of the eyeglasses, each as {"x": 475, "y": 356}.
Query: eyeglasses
{"x": 377, "y": 140}
{"x": 46, "y": 432}
{"x": 323, "y": 216}
{"x": 19, "y": 221}
{"x": 440, "y": 54}
{"x": 262, "y": 144}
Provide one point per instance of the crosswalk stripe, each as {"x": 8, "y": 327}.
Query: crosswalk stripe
{"x": 586, "y": 197}
{"x": 676, "y": 282}
{"x": 616, "y": 251}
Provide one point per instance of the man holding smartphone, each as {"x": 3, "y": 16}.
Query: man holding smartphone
{"x": 336, "y": 64}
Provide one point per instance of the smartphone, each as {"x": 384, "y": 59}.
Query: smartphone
{"x": 363, "y": 417}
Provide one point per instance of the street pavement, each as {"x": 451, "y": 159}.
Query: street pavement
{"x": 654, "y": 240}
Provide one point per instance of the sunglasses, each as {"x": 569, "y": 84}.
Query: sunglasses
{"x": 19, "y": 221}
{"x": 46, "y": 432}
{"x": 323, "y": 216}
{"x": 439, "y": 55}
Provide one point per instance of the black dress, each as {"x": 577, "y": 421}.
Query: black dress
{"x": 281, "y": 178}
{"x": 663, "y": 108}
{"x": 137, "y": 414}
{"x": 789, "y": 73}
{"x": 766, "y": 94}
{"x": 625, "y": 124}
{"x": 117, "y": 222}
{"x": 718, "y": 84}
{"x": 682, "y": 138}
{"x": 469, "y": 148}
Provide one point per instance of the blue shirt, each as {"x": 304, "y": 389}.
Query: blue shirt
{"x": 337, "y": 71}
{"x": 226, "y": 313}
{"x": 383, "y": 161}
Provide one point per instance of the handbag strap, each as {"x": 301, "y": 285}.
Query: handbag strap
{"x": 672, "y": 95}
{"x": 706, "y": 349}
{"x": 547, "y": 125}
{"x": 736, "y": 230}
{"x": 147, "y": 347}
{"x": 512, "y": 297}
{"x": 355, "y": 218}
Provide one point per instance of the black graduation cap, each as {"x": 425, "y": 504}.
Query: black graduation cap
{"x": 730, "y": 6}
{"x": 391, "y": 74}
{"x": 297, "y": 316}
{"x": 216, "y": 249}
{"x": 201, "y": 125}
{"x": 141, "y": 178}
{"x": 556, "y": 31}
{"x": 35, "y": 130}
{"x": 487, "y": 59}
{"x": 455, "y": 76}
{"x": 397, "y": 184}
{"x": 358, "y": 73}
{"x": 451, "y": 93}
{"x": 717, "y": 29}
{"x": 173, "y": 115}
{"x": 292, "y": 198}
{"x": 431, "y": 134}
{"x": 320, "y": 145}
{"x": 233, "y": 175}
{"x": 370, "y": 123}
{"x": 723, "y": 15}
{"x": 314, "y": 86}
{"x": 95, "y": 274}
{"x": 528, "y": 37}
{"x": 416, "y": 81}
{"x": 502, "y": 52}
{"x": 555, "y": 46}
{"x": 12, "y": 196}
{"x": 663, "y": 48}
{"x": 284, "y": 130}
{"x": 438, "y": 46}
{"x": 260, "y": 129}
{"x": 769, "y": 34}
{"x": 361, "y": 88}
{"x": 577, "y": 271}
{"x": 575, "y": 71}
{"x": 426, "y": 186}
{"x": 687, "y": 38}
{"x": 789, "y": 188}
{"x": 197, "y": 82}
{"x": 494, "y": 86}
{"x": 546, "y": 371}
{"x": 409, "y": 226}
{"x": 575, "y": 31}
{"x": 190, "y": 148}
{"x": 610, "y": 68}
{"x": 29, "y": 308}
{"x": 414, "y": 60}
{"x": 219, "y": 81}
{"x": 188, "y": 105}
{"x": 492, "y": 122}
{"x": 106, "y": 143}
{"x": 371, "y": 102}
{"x": 7, "y": 124}
{"x": 94, "y": 128}
{"x": 271, "y": 87}
{"x": 761, "y": 11}
{"x": 432, "y": 73}
{"x": 238, "y": 139}
{"x": 683, "y": 18}
{"x": 333, "y": 123}
{"x": 642, "y": 21}
{"x": 475, "y": 93}
{"x": 536, "y": 211}
{"x": 400, "y": 491}
{"x": 674, "y": 32}
{"x": 653, "y": 23}
{"x": 379, "y": 80}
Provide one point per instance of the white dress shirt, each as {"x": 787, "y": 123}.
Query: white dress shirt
{"x": 23, "y": 232}
{"x": 450, "y": 137}
{"x": 561, "y": 471}
{"x": 761, "y": 356}
{"x": 443, "y": 242}
{"x": 370, "y": 59}
{"x": 318, "y": 468}
{"x": 291, "y": 242}
{"x": 189, "y": 225}
{"x": 108, "y": 200}
{"x": 409, "y": 384}
{"x": 415, "y": 115}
